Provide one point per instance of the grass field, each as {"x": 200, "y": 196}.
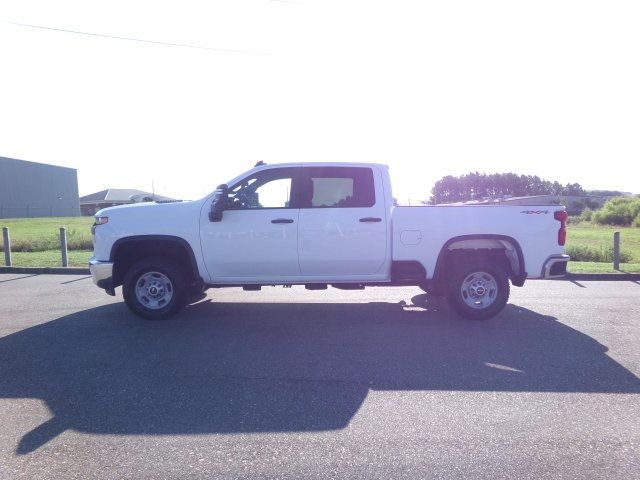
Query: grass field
{"x": 42, "y": 234}
{"x": 599, "y": 267}
{"x": 50, "y": 258}
{"x": 35, "y": 242}
{"x": 587, "y": 234}
{"x": 597, "y": 237}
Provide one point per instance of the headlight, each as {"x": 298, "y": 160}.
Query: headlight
{"x": 99, "y": 221}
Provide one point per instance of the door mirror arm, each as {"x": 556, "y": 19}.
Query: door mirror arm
{"x": 219, "y": 203}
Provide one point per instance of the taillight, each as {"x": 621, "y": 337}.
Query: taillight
{"x": 562, "y": 217}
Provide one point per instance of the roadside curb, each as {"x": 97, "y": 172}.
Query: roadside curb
{"x": 47, "y": 270}
{"x": 603, "y": 276}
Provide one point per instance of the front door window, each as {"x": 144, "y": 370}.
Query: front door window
{"x": 269, "y": 189}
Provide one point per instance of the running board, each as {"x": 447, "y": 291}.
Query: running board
{"x": 348, "y": 286}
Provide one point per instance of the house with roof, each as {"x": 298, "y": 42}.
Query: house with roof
{"x": 90, "y": 204}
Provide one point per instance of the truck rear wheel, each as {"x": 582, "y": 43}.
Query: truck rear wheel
{"x": 478, "y": 291}
{"x": 154, "y": 288}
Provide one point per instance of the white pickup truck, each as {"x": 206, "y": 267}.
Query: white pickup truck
{"x": 320, "y": 224}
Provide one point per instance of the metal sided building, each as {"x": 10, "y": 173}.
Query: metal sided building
{"x": 29, "y": 189}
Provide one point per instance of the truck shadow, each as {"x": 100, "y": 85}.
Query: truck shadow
{"x": 258, "y": 367}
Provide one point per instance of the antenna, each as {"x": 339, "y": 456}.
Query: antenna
{"x": 259, "y": 164}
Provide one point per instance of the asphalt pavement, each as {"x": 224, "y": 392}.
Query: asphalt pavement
{"x": 286, "y": 383}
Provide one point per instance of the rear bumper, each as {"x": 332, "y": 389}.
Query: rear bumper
{"x": 102, "y": 274}
{"x": 555, "y": 266}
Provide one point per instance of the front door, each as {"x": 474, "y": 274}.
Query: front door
{"x": 257, "y": 238}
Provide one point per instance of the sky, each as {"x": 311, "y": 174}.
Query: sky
{"x": 431, "y": 88}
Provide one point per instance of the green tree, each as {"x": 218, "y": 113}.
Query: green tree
{"x": 475, "y": 186}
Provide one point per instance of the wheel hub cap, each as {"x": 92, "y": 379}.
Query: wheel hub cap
{"x": 154, "y": 290}
{"x": 479, "y": 290}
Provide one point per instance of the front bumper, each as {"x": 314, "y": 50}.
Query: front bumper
{"x": 555, "y": 266}
{"x": 102, "y": 274}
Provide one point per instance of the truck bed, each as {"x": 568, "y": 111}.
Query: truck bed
{"x": 421, "y": 232}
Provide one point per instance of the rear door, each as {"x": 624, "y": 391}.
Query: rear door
{"x": 342, "y": 229}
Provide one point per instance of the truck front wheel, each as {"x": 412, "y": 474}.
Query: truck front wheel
{"x": 478, "y": 291}
{"x": 154, "y": 288}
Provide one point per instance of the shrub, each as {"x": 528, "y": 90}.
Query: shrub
{"x": 583, "y": 253}
{"x": 618, "y": 211}
{"x": 79, "y": 240}
{"x": 76, "y": 240}
{"x": 586, "y": 215}
{"x": 576, "y": 208}
{"x": 34, "y": 244}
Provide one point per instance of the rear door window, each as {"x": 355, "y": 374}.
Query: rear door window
{"x": 336, "y": 187}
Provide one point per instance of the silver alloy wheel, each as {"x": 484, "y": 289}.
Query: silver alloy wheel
{"x": 479, "y": 290}
{"x": 154, "y": 290}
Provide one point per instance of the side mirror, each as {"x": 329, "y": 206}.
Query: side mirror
{"x": 218, "y": 203}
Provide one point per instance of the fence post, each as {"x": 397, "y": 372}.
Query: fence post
{"x": 616, "y": 250}
{"x": 6, "y": 240}
{"x": 63, "y": 246}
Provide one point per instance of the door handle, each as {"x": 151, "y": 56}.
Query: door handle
{"x": 282, "y": 220}
{"x": 370, "y": 220}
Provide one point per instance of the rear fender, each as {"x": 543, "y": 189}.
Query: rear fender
{"x": 509, "y": 245}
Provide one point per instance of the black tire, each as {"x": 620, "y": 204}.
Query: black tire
{"x": 471, "y": 277}
{"x": 155, "y": 269}
{"x": 195, "y": 294}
